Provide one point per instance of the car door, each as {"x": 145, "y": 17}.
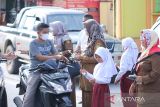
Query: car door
{"x": 27, "y": 34}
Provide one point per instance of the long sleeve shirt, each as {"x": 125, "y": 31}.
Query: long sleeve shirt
{"x": 126, "y": 64}
{"x": 102, "y": 80}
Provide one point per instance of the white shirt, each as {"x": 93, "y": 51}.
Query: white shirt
{"x": 126, "y": 64}
{"x": 103, "y": 71}
{"x": 102, "y": 80}
{"x": 82, "y": 42}
{"x": 129, "y": 57}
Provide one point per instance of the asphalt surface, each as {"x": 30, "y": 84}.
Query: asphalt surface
{"x": 11, "y": 81}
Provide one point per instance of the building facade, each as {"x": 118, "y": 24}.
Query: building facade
{"x": 122, "y": 18}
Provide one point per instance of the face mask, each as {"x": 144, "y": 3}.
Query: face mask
{"x": 45, "y": 36}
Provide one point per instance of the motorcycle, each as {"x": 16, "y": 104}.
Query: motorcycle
{"x": 3, "y": 94}
{"x": 55, "y": 87}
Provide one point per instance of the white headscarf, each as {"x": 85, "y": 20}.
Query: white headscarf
{"x": 151, "y": 38}
{"x": 129, "y": 57}
{"x": 130, "y": 48}
{"x": 107, "y": 68}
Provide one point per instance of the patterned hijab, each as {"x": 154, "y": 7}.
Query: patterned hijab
{"x": 94, "y": 31}
{"x": 151, "y": 39}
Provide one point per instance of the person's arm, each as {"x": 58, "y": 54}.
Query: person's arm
{"x": 154, "y": 75}
{"x": 124, "y": 67}
{"x": 86, "y": 59}
{"x": 102, "y": 80}
{"x": 34, "y": 51}
{"x": 54, "y": 55}
{"x": 45, "y": 57}
{"x": 88, "y": 75}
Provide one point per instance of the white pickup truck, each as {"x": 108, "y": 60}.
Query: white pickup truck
{"x": 18, "y": 35}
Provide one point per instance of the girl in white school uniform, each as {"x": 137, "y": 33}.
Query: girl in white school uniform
{"x": 128, "y": 59}
{"x": 101, "y": 77}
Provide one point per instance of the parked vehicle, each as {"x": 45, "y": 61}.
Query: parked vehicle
{"x": 55, "y": 86}
{"x": 156, "y": 26}
{"x": 18, "y": 35}
{"x": 3, "y": 94}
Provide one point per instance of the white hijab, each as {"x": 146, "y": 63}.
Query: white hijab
{"x": 130, "y": 48}
{"x": 107, "y": 68}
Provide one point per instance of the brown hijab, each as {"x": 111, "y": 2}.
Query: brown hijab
{"x": 94, "y": 30}
{"x": 95, "y": 33}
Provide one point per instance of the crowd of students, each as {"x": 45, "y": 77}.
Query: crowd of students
{"x": 98, "y": 69}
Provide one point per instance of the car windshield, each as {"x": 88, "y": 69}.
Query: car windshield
{"x": 72, "y": 22}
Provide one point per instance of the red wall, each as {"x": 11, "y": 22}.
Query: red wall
{"x": 90, "y": 5}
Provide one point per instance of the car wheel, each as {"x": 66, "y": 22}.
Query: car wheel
{"x": 4, "y": 99}
{"x": 12, "y": 65}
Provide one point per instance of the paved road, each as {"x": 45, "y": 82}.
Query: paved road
{"x": 12, "y": 80}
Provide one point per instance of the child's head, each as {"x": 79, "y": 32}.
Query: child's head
{"x": 98, "y": 58}
{"x": 101, "y": 54}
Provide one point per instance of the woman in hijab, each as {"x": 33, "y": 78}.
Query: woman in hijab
{"x": 63, "y": 44}
{"x": 102, "y": 74}
{"x": 88, "y": 62}
{"x": 62, "y": 41}
{"x": 95, "y": 33}
{"x": 148, "y": 71}
{"x": 128, "y": 60}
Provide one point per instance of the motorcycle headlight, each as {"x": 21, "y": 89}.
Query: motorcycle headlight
{"x": 58, "y": 88}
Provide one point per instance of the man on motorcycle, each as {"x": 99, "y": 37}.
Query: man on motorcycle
{"x": 41, "y": 49}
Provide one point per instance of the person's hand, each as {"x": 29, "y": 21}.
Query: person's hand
{"x": 78, "y": 50}
{"x": 67, "y": 52}
{"x": 116, "y": 81}
{"x": 9, "y": 56}
{"x": 83, "y": 71}
{"x": 61, "y": 57}
{"x": 77, "y": 56}
{"x": 92, "y": 81}
{"x": 132, "y": 89}
{"x": 139, "y": 79}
